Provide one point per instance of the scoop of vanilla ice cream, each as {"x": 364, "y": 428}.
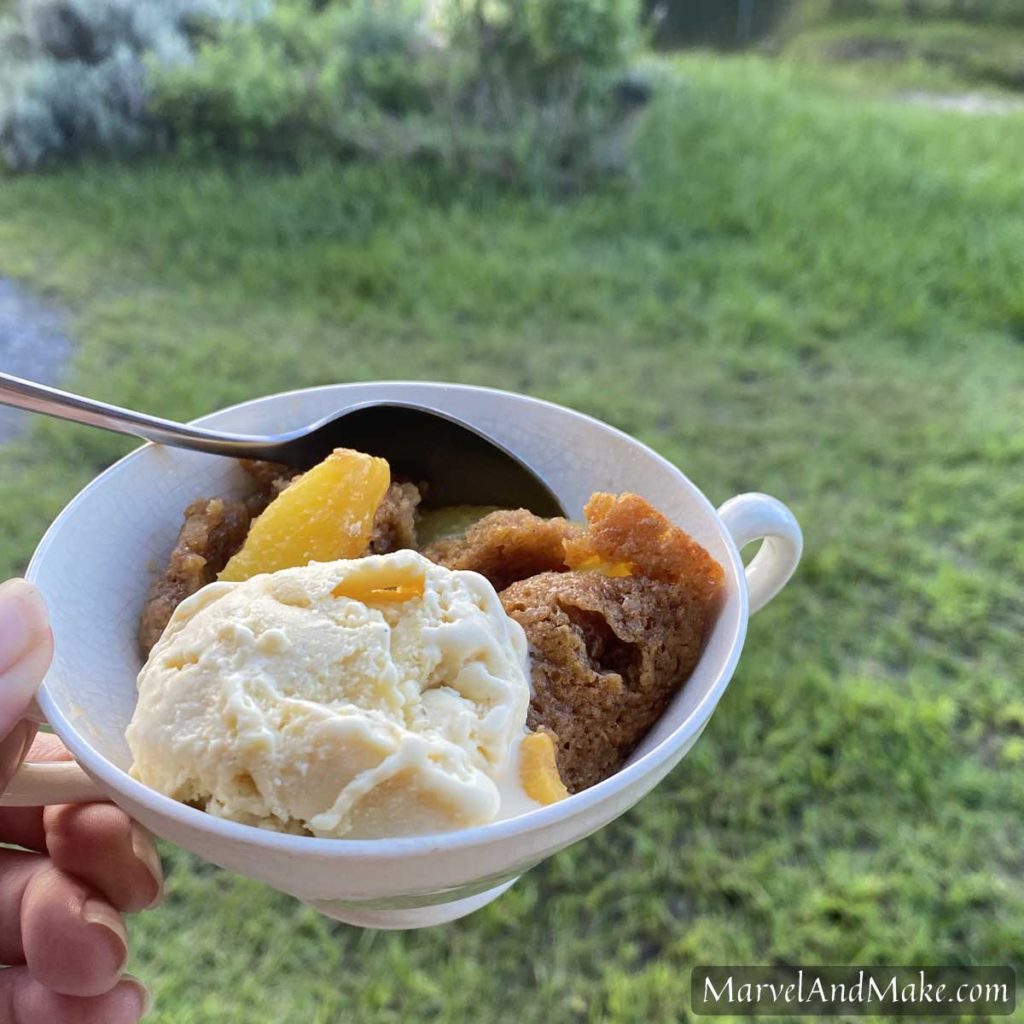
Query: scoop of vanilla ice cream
{"x": 281, "y": 702}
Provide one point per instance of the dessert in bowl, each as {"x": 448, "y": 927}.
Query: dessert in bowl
{"x": 91, "y": 567}
{"x": 325, "y": 658}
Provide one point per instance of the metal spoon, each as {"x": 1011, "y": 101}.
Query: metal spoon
{"x": 461, "y": 464}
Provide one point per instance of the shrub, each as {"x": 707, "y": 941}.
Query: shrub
{"x": 298, "y": 82}
{"x": 524, "y": 89}
{"x": 59, "y": 109}
{"x": 540, "y": 89}
{"x": 73, "y": 73}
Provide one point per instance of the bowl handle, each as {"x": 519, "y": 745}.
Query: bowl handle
{"x": 36, "y": 784}
{"x": 754, "y": 516}
{"x": 52, "y": 782}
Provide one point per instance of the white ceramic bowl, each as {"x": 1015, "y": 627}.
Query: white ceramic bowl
{"x": 92, "y": 568}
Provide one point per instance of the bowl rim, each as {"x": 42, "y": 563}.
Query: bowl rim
{"x": 116, "y": 781}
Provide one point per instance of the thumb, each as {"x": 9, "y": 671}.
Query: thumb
{"x": 26, "y": 646}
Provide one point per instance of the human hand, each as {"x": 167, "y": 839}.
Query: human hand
{"x": 79, "y": 867}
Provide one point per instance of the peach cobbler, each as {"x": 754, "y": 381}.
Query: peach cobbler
{"x": 330, "y": 657}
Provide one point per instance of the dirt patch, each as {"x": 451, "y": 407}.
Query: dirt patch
{"x": 856, "y": 48}
{"x": 975, "y": 103}
{"x": 32, "y": 344}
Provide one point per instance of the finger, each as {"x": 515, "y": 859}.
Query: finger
{"x": 23, "y": 826}
{"x": 47, "y": 747}
{"x": 103, "y": 847}
{"x": 24, "y": 1001}
{"x": 98, "y": 843}
{"x": 16, "y": 870}
{"x": 26, "y": 646}
{"x": 74, "y": 941}
{"x": 13, "y": 748}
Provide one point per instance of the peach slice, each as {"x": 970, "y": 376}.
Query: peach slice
{"x": 326, "y": 514}
{"x": 594, "y": 563}
{"x": 374, "y": 583}
{"x": 538, "y": 771}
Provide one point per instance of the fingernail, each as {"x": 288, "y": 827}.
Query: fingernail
{"x": 144, "y": 996}
{"x": 145, "y": 851}
{"x": 99, "y": 912}
{"x": 22, "y": 617}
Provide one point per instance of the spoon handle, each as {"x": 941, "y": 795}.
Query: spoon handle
{"x": 27, "y": 394}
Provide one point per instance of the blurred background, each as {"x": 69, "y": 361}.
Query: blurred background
{"x": 780, "y": 242}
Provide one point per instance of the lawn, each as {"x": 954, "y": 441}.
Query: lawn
{"x": 800, "y": 291}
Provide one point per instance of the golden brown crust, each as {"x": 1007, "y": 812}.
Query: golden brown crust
{"x": 613, "y": 639}
{"x": 507, "y": 546}
{"x": 271, "y": 478}
{"x": 213, "y": 530}
{"x": 607, "y": 656}
{"x": 626, "y": 528}
{"x": 394, "y": 523}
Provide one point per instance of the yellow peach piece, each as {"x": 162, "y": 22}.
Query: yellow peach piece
{"x": 376, "y": 583}
{"x": 538, "y": 771}
{"x": 326, "y": 514}
{"x": 594, "y": 563}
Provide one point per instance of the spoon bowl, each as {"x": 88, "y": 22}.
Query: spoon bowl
{"x": 460, "y": 464}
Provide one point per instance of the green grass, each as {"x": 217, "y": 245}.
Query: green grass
{"x": 799, "y": 293}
